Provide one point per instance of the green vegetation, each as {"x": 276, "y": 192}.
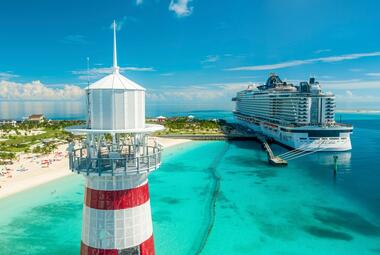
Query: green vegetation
{"x": 46, "y": 125}
{"x": 186, "y": 126}
{"x": 42, "y": 138}
{"x": 24, "y": 138}
{"x": 48, "y": 148}
{"x": 7, "y": 155}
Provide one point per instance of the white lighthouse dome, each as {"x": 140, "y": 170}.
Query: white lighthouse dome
{"x": 115, "y": 102}
{"x": 115, "y": 81}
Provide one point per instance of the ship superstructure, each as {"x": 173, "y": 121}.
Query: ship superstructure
{"x": 297, "y": 116}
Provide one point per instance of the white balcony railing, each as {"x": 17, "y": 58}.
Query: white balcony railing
{"x": 125, "y": 163}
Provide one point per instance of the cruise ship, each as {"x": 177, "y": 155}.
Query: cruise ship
{"x": 300, "y": 117}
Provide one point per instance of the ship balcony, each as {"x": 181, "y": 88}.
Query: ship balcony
{"x": 124, "y": 162}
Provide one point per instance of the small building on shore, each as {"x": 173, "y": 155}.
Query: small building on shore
{"x": 36, "y": 118}
{"x": 8, "y": 122}
{"x": 161, "y": 119}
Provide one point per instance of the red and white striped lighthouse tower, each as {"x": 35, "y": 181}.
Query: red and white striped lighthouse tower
{"x": 116, "y": 158}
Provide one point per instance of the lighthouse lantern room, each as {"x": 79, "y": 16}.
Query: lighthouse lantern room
{"x": 115, "y": 158}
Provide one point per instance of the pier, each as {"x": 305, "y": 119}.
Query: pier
{"x": 236, "y": 132}
{"x": 239, "y": 132}
{"x": 272, "y": 159}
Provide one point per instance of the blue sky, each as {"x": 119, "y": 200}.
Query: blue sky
{"x": 194, "y": 53}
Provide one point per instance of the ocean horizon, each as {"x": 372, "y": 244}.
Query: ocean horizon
{"x": 76, "y": 110}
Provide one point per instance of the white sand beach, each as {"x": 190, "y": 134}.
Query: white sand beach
{"x": 170, "y": 142}
{"x": 28, "y": 172}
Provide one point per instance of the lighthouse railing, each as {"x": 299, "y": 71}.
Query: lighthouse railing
{"x": 124, "y": 163}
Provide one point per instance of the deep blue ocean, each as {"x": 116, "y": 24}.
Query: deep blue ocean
{"x": 223, "y": 198}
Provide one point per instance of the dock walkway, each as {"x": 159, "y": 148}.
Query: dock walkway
{"x": 272, "y": 159}
{"x": 237, "y": 133}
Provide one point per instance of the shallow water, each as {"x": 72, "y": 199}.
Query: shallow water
{"x": 222, "y": 198}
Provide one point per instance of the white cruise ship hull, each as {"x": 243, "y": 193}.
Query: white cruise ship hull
{"x": 309, "y": 138}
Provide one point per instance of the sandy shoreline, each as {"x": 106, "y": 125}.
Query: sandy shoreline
{"x": 28, "y": 172}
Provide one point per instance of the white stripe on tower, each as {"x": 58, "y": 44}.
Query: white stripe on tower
{"x": 117, "y": 215}
{"x": 115, "y": 182}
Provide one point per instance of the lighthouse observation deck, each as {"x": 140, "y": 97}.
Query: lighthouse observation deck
{"x": 126, "y": 161}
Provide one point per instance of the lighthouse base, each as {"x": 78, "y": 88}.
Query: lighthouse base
{"x": 146, "y": 248}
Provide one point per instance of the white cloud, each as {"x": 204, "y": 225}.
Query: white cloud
{"x": 269, "y": 67}
{"x": 35, "y": 90}
{"x": 137, "y": 69}
{"x": 138, "y": 2}
{"x": 351, "y": 100}
{"x": 351, "y": 84}
{"x": 349, "y": 93}
{"x": 325, "y": 77}
{"x": 210, "y": 59}
{"x": 356, "y": 69}
{"x": 181, "y": 7}
{"x": 322, "y": 51}
{"x": 96, "y": 73}
{"x": 373, "y": 74}
{"x": 204, "y": 93}
{"x": 347, "y": 57}
{"x": 74, "y": 39}
{"x": 167, "y": 74}
{"x": 306, "y": 61}
{"x": 7, "y": 75}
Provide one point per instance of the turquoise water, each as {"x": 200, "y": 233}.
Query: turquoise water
{"x": 222, "y": 198}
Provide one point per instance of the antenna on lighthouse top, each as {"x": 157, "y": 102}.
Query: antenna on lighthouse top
{"x": 115, "y": 67}
{"x": 88, "y": 70}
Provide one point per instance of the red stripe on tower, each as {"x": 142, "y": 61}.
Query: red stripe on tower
{"x": 147, "y": 247}
{"x": 87, "y": 250}
{"x": 116, "y": 199}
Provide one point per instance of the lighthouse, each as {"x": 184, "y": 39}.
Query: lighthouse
{"x": 115, "y": 158}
